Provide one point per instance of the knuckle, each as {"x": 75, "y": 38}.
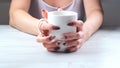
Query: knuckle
{"x": 77, "y": 42}
{"x": 45, "y": 45}
{"x": 73, "y": 49}
{"x": 80, "y": 22}
{"x": 49, "y": 26}
{"x": 78, "y": 35}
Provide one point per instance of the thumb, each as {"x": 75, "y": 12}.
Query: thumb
{"x": 44, "y": 13}
{"x": 79, "y": 25}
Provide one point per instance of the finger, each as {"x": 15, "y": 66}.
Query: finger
{"x": 71, "y": 36}
{"x": 78, "y": 24}
{"x": 53, "y": 49}
{"x": 73, "y": 49}
{"x": 73, "y": 43}
{"x": 80, "y": 43}
{"x": 44, "y": 26}
{"x": 44, "y": 13}
{"x": 45, "y": 39}
{"x": 49, "y": 45}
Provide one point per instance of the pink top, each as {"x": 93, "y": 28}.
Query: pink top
{"x": 37, "y": 5}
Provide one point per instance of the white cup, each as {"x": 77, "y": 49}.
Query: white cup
{"x": 61, "y": 19}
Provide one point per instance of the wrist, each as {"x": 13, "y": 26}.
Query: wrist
{"x": 40, "y": 22}
{"x": 87, "y": 33}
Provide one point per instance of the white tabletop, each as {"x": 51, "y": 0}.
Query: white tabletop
{"x": 20, "y": 50}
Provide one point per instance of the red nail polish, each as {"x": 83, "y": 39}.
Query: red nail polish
{"x": 70, "y": 24}
{"x": 56, "y": 28}
{"x": 57, "y": 48}
{"x": 51, "y": 38}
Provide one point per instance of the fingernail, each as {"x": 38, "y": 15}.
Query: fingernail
{"x": 51, "y": 38}
{"x": 56, "y": 28}
{"x": 70, "y": 24}
{"x": 65, "y": 37}
{"x": 58, "y": 43}
{"x": 57, "y": 48}
{"x": 64, "y": 43}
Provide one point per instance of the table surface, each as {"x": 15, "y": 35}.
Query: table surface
{"x": 20, "y": 50}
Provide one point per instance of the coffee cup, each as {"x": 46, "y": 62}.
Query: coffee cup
{"x": 61, "y": 19}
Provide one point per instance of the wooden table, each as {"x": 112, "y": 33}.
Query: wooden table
{"x": 20, "y": 50}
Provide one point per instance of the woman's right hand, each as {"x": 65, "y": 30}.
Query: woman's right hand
{"x": 48, "y": 41}
{"x": 44, "y": 36}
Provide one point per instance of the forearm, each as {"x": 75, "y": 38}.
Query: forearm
{"x": 21, "y": 20}
{"x": 92, "y": 23}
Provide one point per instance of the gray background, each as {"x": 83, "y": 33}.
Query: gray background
{"x": 4, "y": 8}
{"x": 111, "y": 12}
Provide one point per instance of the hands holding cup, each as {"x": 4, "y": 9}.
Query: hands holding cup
{"x": 60, "y": 31}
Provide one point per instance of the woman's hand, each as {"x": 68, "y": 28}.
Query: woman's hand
{"x": 48, "y": 41}
{"x": 44, "y": 36}
{"x": 74, "y": 40}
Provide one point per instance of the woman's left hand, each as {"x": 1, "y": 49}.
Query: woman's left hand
{"x": 74, "y": 40}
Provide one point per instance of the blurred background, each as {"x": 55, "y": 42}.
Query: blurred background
{"x": 4, "y": 8}
{"x": 111, "y": 11}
